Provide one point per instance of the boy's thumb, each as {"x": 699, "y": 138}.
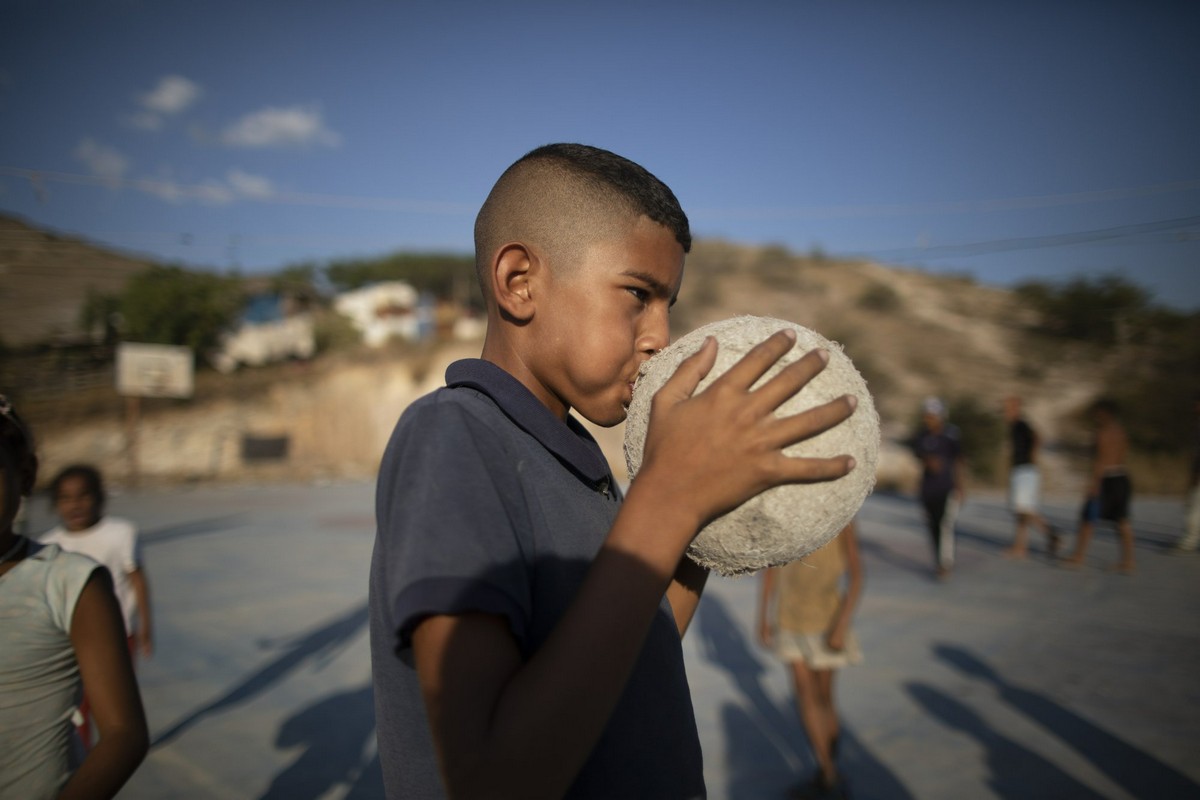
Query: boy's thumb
{"x": 691, "y": 371}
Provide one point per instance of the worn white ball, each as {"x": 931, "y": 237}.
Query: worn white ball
{"x": 787, "y": 522}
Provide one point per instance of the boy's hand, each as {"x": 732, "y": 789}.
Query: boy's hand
{"x": 714, "y": 450}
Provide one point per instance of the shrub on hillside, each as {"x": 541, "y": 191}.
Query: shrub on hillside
{"x": 879, "y": 297}
{"x": 1156, "y": 384}
{"x": 1102, "y": 311}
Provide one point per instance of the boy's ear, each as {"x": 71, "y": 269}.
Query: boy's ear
{"x": 512, "y": 270}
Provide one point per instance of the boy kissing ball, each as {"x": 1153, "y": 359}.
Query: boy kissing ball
{"x": 787, "y": 522}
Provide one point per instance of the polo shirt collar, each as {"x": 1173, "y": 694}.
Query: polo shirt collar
{"x": 570, "y": 443}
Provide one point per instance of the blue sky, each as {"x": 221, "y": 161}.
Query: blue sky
{"x": 1010, "y": 140}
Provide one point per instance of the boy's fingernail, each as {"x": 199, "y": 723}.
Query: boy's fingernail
{"x": 823, "y": 355}
{"x": 789, "y": 333}
{"x": 852, "y": 401}
{"x": 851, "y": 463}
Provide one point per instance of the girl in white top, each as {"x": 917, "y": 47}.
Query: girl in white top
{"x": 79, "y": 497}
{"x": 60, "y": 629}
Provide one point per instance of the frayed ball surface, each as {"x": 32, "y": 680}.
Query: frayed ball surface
{"x": 787, "y": 522}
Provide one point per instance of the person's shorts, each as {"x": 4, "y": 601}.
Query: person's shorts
{"x": 1115, "y": 494}
{"x": 1024, "y": 487}
{"x": 812, "y": 650}
{"x": 1113, "y": 502}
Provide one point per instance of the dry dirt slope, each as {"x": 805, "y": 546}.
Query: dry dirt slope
{"x": 44, "y": 278}
{"x": 911, "y": 334}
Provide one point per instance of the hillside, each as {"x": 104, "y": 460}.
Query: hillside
{"x": 910, "y": 333}
{"x": 44, "y": 279}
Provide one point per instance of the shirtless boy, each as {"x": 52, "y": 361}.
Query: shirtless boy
{"x": 1109, "y": 489}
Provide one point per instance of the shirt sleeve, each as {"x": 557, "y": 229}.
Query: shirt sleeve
{"x": 131, "y": 548}
{"x": 451, "y": 521}
{"x": 69, "y": 574}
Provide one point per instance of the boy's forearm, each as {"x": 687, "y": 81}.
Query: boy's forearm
{"x": 551, "y": 710}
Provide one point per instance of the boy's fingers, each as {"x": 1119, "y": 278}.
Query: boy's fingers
{"x": 816, "y": 470}
{"x": 807, "y": 424}
{"x": 689, "y": 373}
{"x": 761, "y": 358}
{"x": 790, "y": 380}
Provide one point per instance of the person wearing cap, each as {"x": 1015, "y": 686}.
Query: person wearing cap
{"x": 938, "y": 447}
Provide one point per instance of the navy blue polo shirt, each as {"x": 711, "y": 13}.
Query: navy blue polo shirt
{"x": 488, "y": 502}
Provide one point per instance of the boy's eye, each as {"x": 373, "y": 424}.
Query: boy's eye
{"x": 641, "y": 294}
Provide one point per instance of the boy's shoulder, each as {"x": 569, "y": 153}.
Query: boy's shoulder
{"x": 484, "y": 406}
{"x": 448, "y": 415}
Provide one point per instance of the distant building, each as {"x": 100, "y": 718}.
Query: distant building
{"x": 271, "y": 330}
{"x": 383, "y": 311}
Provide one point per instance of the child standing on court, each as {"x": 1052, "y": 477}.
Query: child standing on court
{"x": 61, "y": 630}
{"x": 1109, "y": 490}
{"x": 525, "y": 618}
{"x": 78, "y": 495}
{"x": 938, "y": 447}
{"x": 804, "y": 615}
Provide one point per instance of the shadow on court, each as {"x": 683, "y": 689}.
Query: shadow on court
{"x": 1138, "y": 772}
{"x": 321, "y": 644}
{"x": 336, "y": 733}
{"x": 766, "y": 749}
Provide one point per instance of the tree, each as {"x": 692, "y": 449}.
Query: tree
{"x": 1103, "y": 311}
{"x": 171, "y": 305}
{"x": 1156, "y": 384}
{"x": 445, "y": 275}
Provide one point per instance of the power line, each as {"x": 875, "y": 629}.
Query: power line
{"x": 1039, "y": 242}
{"x": 220, "y": 194}
{"x": 223, "y": 194}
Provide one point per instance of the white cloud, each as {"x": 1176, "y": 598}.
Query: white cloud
{"x": 253, "y": 186}
{"x": 173, "y": 94}
{"x": 272, "y": 127}
{"x": 144, "y": 120}
{"x": 214, "y": 193}
{"x": 162, "y": 188}
{"x": 102, "y": 160}
{"x": 237, "y": 185}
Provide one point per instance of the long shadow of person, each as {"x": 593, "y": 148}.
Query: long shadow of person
{"x": 1140, "y": 773}
{"x": 1016, "y": 771}
{"x": 759, "y": 735}
{"x": 369, "y": 783}
{"x": 323, "y": 643}
{"x": 335, "y": 733}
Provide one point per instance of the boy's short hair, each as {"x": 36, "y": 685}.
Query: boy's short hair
{"x": 91, "y": 480}
{"x": 562, "y": 197}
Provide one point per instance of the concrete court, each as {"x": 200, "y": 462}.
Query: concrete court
{"x": 1010, "y": 680}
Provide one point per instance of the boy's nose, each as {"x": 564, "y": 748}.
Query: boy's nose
{"x": 656, "y": 335}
